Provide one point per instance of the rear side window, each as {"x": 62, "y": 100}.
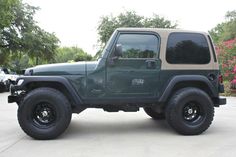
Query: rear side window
{"x": 187, "y": 48}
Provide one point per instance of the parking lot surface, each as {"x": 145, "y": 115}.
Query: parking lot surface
{"x": 102, "y": 134}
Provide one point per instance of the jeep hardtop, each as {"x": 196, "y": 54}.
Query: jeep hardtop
{"x": 172, "y": 74}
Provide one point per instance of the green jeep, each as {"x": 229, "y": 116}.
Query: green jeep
{"x": 172, "y": 74}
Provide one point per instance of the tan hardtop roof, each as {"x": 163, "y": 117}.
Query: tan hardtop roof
{"x": 159, "y": 30}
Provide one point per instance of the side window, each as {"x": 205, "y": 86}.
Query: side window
{"x": 187, "y": 48}
{"x": 138, "y": 45}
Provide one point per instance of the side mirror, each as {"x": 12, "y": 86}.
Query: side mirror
{"x": 118, "y": 50}
{"x": 116, "y": 55}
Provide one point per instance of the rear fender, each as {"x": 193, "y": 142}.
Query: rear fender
{"x": 194, "y": 80}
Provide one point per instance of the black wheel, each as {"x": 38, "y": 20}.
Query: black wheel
{"x": 155, "y": 114}
{"x": 44, "y": 113}
{"x": 190, "y": 111}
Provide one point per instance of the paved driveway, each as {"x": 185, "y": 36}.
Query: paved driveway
{"x": 101, "y": 134}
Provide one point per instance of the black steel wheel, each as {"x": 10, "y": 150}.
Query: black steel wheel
{"x": 44, "y": 113}
{"x": 190, "y": 111}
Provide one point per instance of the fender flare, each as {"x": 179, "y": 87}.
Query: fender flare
{"x": 50, "y": 79}
{"x": 186, "y": 78}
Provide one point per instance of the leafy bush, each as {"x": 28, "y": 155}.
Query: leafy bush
{"x": 228, "y": 91}
{"x": 226, "y": 52}
{"x": 233, "y": 84}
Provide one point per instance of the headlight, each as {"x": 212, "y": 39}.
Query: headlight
{"x": 20, "y": 82}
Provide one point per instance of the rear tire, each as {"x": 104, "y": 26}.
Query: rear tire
{"x": 190, "y": 111}
{"x": 44, "y": 113}
{"x": 154, "y": 114}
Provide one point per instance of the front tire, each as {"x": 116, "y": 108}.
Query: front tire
{"x": 190, "y": 111}
{"x": 44, "y": 113}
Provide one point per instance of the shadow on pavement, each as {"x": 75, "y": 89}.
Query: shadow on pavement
{"x": 80, "y": 128}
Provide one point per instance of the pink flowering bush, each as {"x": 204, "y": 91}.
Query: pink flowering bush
{"x": 233, "y": 82}
{"x": 226, "y": 52}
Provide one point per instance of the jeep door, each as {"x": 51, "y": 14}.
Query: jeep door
{"x": 136, "y": 72}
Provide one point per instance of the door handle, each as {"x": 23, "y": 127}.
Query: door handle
{"x": 96, "y": 91}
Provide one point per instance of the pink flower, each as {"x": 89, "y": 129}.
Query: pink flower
{"x": 226, "y": 74}
{"x": 234, "y": 81}
{"x": 224, "y": 65}
{"x": 230, "y": 42}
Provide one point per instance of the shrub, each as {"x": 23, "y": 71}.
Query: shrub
{"x": 233, "y": 84}
{"x": 226, "y": 52}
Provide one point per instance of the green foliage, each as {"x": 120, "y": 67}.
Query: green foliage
{"x": 19, "y": 34}
{"x": 228, "y": 91}
{"x": 158, "y": 22}
{"x": 3, "y": 57}
{"x": 227, "y": 58}
{"x": 225, "y": 30}
{"x": 217, "y": 32}
{"x": 109, "y": 23}
{"x": 231, "y": 15}
{"x": 224, "y": 35}
{"x": 70, "y": 54}
{"x": 41, "y": 45}
{"x": 6, "y": 12}
{"x": 20, "y": 63}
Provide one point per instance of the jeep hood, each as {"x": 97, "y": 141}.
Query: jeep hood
{"x": 78, "y": 68}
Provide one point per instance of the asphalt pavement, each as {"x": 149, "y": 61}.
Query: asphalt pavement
{"x": 123, "y": 134}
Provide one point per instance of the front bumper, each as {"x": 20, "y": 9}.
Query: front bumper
{"x": 15, "y": 96}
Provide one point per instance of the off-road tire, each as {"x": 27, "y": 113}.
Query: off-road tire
{"x": 178, "y": 111}
{"x": 154, "y": 114}
{"x": 31, "y": 120}
{"x": 2, "y": 88}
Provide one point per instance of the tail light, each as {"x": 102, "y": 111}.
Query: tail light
{"x": 220, "y": 79}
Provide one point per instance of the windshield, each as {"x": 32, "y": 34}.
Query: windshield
{"x": 107, "y": 46}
